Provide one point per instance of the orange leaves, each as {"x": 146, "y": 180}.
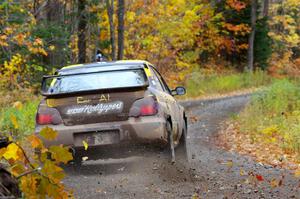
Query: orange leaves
{"x": 38, "y": 42}
{"x": 37, "y": 47}
{"x": 236, "y": 4}
{"x": 240, "y": 29}
{"x": 29, "y": 184}
{"x": 3, "y": 41}
{"x": 20, "y": 38}
{"x": 35, "y": 142}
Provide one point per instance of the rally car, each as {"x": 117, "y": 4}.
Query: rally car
{"x": 106, "y": 103}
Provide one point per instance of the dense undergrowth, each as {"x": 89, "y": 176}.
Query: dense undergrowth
{"x": 200, "y": 84}
{"x": 18, "y": 106}
{"x": 273, "y": 116}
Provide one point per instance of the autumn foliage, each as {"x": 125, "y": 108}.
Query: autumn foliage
{"x": 37, "y": 168}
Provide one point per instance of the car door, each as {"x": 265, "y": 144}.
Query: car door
{"x": 171, "y": 102}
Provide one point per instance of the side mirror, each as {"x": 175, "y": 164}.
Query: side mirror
{"x": 179, "y": 91}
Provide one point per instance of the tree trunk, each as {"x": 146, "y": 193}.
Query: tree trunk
{"x": 110, "y": 13}
{"x": 82, "y": 24}
{"x": 265, "y": 11}
{"x": 252, "y": 35}
{"x": 121, "y": 13}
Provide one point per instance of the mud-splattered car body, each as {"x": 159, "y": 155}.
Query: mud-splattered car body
{"x": 107, "y": 103}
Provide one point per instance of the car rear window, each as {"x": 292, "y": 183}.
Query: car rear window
{"x": 94, "y": 81}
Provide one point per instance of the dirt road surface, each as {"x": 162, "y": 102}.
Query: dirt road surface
{"x": 208, "y": 171}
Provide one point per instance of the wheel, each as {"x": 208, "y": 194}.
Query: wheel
{"x": 77, "y": 157}
{"x": 171, "y": 145}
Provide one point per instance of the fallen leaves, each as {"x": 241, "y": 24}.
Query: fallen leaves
{"x": 264, "y": 151}
{"x": 259, "y": 177}
{"x": 85, "y": 144}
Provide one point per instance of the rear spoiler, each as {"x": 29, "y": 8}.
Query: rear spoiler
{"x": 58, "y": 95}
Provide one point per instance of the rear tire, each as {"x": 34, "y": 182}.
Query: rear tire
{"x": 77, "y": 157}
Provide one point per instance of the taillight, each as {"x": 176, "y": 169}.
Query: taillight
{"x": 43, "y": 119}
{"x": 148, "y": 110}
{"x": 47, "y": 115}
{"x": 144, "y": 107}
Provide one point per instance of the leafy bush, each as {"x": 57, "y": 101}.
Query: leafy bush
{"x": 200, "y": 84}
{"x": 273, "y": 116}
{"x": 23, "y": 113}
{"x": 36, "y": 167}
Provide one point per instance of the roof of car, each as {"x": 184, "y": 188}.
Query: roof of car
{"x": 103, "y": 66}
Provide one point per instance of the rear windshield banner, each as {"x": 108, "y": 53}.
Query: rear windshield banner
{"x": 100, "y": 109}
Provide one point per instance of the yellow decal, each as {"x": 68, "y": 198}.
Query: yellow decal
{"x": 148, "y": 72}
{"x": 81, "y": 100}
{"x": 72, "y": 66}
{"x": 53, "y": 82}
{"x": 51, "y": 102}
{"x": 104, "y": 98}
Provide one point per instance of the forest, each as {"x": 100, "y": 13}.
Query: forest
{"x": 212, "y": 47}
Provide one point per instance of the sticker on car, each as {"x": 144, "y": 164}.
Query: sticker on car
{"x": 101, "y": 108}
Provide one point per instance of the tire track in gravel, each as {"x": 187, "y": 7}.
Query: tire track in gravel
{"x": 140, "y": 171}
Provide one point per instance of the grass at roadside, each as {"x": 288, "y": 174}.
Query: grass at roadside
{"x": 17, "y": 109}
{"x": 199, "y": 84}
{"x": 274, "y": 116}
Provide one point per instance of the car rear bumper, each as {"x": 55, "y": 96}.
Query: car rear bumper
{"x": 143, "y": 129}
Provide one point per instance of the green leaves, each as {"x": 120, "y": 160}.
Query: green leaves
{"x": 60, "y": 154}
{"x": 48, "y": 133}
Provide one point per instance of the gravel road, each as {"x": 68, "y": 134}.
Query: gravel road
{"x": 207, "y": 172}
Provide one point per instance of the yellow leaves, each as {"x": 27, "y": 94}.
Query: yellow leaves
{"x": 29, "y": 184}
{"x": 52, "y": 48}
{"x": 14, "y": 121}
{"x": 8, "y": 30}
{"x": 48, "y": 133}
{"x": 85, "y": 144}
{"x": 12, "y": 152}
{"x": 53, "y": 172}
{"x": 17, "y": 169}
{"x": 37, "y": 47}
{"x": 18, "y": 105}
{"x": 60, "y": 154}
{"x": 297, "y": 173}
{"x": 270, "y": 131}
{"x": 130, "y": 16}
{"x": 38, "y": 50}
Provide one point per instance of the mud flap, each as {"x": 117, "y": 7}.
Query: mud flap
{"x": 171, "y": 142}
{"x": 172, "y": 148}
